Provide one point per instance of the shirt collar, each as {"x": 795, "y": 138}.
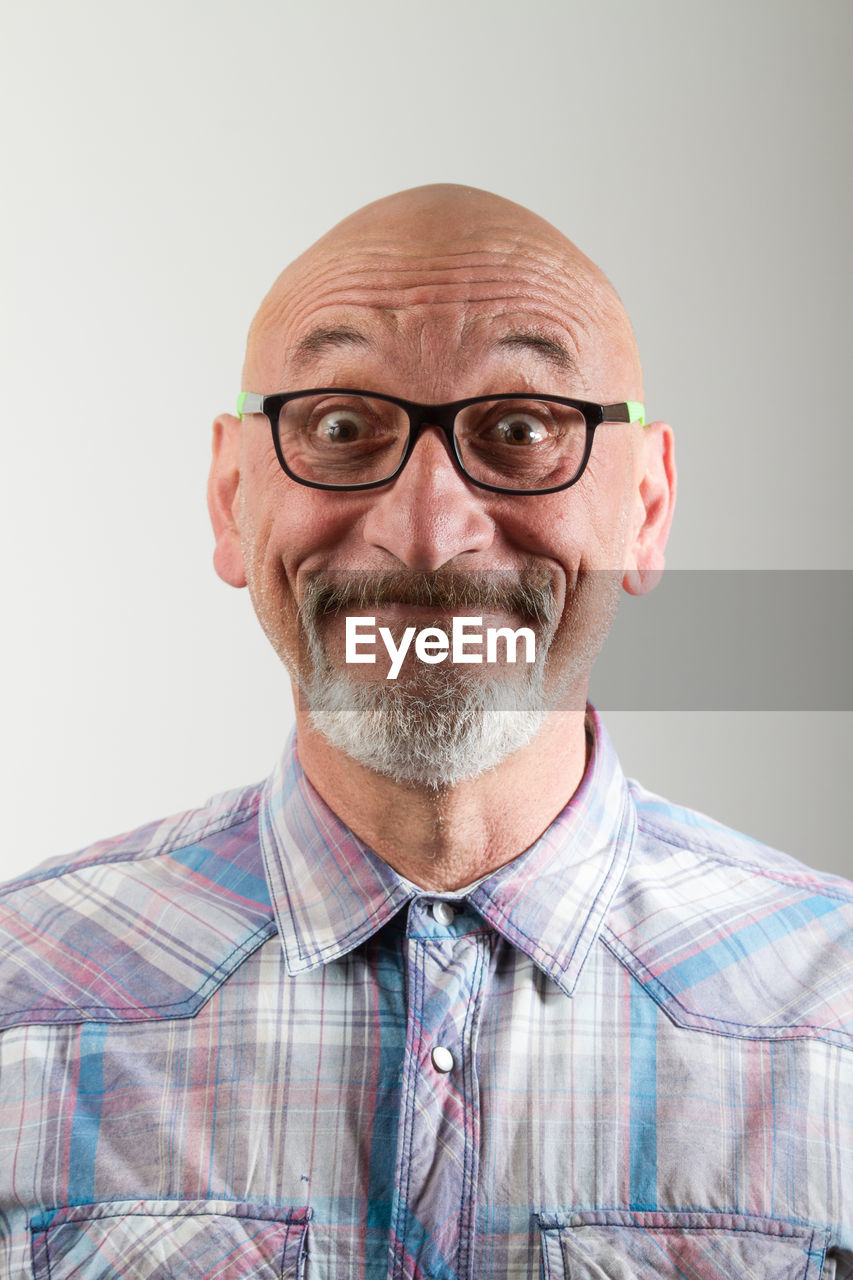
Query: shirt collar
{"x": 330, "y": 892}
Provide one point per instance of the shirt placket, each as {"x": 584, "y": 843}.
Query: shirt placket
{"x": 432, "y": 1233}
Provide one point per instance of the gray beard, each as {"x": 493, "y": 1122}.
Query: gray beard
{"x": 433, "y": 731}
{"x": 436, "y": 726}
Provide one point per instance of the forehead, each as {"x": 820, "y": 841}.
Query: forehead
{"x": 434, "y": 315}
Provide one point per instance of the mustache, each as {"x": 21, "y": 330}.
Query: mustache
{"x": 529, "y": 592}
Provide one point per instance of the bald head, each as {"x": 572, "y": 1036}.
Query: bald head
{"x": 453, "y": 247}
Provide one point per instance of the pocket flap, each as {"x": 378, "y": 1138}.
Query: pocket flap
{"x": 169, "y": 1240}
{"x": 622, "y": 1245}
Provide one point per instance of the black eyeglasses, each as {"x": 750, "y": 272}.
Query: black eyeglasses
{"x": 337, "y": 438}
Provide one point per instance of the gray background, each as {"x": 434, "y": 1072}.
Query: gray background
{"x": 162, "y": 162}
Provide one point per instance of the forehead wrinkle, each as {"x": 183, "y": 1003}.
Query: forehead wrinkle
{"x": 384, "y": 280}
{"x": 524, "y": 266}
{"x": 479, "y": 244}
{"x": 381, "y": 287}
{"x": 474, "y": 241}
{"x": 381, "y": 298}
{"x": 551, "y": 342}
{"x": 392, "y": 269}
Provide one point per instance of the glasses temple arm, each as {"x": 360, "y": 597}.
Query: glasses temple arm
{"x": 249, "y": 402}
{"x": 627, "y": 411}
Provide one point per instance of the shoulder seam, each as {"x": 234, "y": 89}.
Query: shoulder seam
{"x": 213, "y": 980}
{"x": 809, "y": 880}
{"x": 664, "y": 998}
{"x": 234, "y": 818}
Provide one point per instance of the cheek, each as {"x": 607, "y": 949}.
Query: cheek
{"x": 581, "y": 527}
{"x": 598, "y": 515}
{"x": 292, "y": 528}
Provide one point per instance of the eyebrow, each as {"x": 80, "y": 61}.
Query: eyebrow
{"x": 321, "y": 340}
{"x": 554, "y": 352}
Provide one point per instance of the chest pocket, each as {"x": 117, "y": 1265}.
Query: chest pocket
{"x": 616, "y": 1245}
{"x": 169, "y": 1240}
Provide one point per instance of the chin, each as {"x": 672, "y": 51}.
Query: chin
{"x": 434, "y": 730}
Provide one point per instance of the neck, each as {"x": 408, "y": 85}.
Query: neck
{"x": 443, "y": 840}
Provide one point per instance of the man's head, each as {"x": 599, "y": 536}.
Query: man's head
{"x": 434, "y": 295}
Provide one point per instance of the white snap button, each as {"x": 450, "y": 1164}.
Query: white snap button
{"x": 443, "y": 913}
{"x": 442, "y": 1059}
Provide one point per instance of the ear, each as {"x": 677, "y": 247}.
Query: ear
{"x": 655, "y": 502}
{"x": 223, "y": 496}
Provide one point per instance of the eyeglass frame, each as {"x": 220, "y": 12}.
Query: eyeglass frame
{"x": 442, "y": 416}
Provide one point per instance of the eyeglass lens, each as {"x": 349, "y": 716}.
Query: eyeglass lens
{"x": 516, "y": 444}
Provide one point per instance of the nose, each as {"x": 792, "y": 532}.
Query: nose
{"x": 430, "y": 513}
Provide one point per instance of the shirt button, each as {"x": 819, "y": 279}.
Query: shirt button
{"x": 443, "y": 913}
{"x": 442, "y": 1059}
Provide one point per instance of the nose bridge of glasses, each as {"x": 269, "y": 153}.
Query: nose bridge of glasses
{"x": 439, "y": 416}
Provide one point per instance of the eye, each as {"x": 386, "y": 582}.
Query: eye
{"x": 342, "y": 426}
{"x": 520, "y": 428}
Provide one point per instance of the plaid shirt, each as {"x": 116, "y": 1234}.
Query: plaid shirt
{"x": 236, "y": 1044}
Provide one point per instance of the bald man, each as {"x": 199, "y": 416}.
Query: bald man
{"x": 446, "y": 995}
